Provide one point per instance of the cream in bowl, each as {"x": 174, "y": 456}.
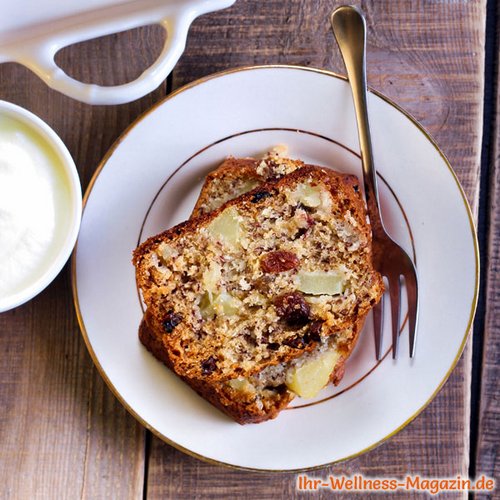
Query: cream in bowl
{"x": 40, "y": 205}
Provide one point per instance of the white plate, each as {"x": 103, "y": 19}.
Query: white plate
{"x": 149, "y": 181}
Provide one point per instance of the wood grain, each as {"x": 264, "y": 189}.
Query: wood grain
{"x": 428, "y": 57}
{"x": 487, "y": 461}
{"x": 63, "y": 433}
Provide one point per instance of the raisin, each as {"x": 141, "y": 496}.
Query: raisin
{"x": 280, "y": 389}
{"x": 171, "y": 321}
{"x": 208, "y": 366}
{"x": 279, "y": 261}
{"x": 250, "y": 339}
{"x": 301, "y": 206}
{"x": 296, "y": 342}
{"x": 260, "y": 195}
{"x": 293, "y": 308}
{"x": 314, "y": 332}
{"x": 300, "y": 232}
{"x": 273, "y": 346}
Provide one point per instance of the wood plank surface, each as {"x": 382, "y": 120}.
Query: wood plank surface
{"x": 428, "y": 57}
{"x": 487, "y": 459}
{"x": 62, "y": 433}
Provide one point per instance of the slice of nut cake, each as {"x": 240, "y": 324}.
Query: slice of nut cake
{"x": 273, "y": 279}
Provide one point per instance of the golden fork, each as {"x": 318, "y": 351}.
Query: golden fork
{"x": 389, "y": 258}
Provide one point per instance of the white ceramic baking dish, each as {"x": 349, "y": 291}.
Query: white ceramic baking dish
{"x": 33, "y": 31}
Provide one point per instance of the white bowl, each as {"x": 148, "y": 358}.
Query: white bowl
{"x": 61, "y": 244}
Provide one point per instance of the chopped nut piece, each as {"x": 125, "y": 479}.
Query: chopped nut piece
{"x": 167, "y": 252}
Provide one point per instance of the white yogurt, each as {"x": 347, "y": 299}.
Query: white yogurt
{"x": 35, "y": 205}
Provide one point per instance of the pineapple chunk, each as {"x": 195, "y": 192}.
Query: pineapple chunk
{"x": 247, "y": 186}
{"x": 222, "y": 304}
{"x": 308, "y": 379}
{"x": 226, "y": 227}
{"x": 211, "y": 277}
{"x": 206, "y": 308}
{"x": 242, "y": 385}
{"x": 308, "y": 195}
{"x": 321, "y": 282}
{"x": 226, "y": 305}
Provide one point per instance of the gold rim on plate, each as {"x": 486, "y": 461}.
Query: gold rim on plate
{"x": 82, "y": 324}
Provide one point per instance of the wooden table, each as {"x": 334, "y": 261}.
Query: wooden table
{"x": 64, "y": 435}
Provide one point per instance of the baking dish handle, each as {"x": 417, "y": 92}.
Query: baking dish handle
{"x": 40, "y": 59}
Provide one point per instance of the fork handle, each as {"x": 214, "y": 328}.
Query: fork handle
{"x": 349, "y": 28}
